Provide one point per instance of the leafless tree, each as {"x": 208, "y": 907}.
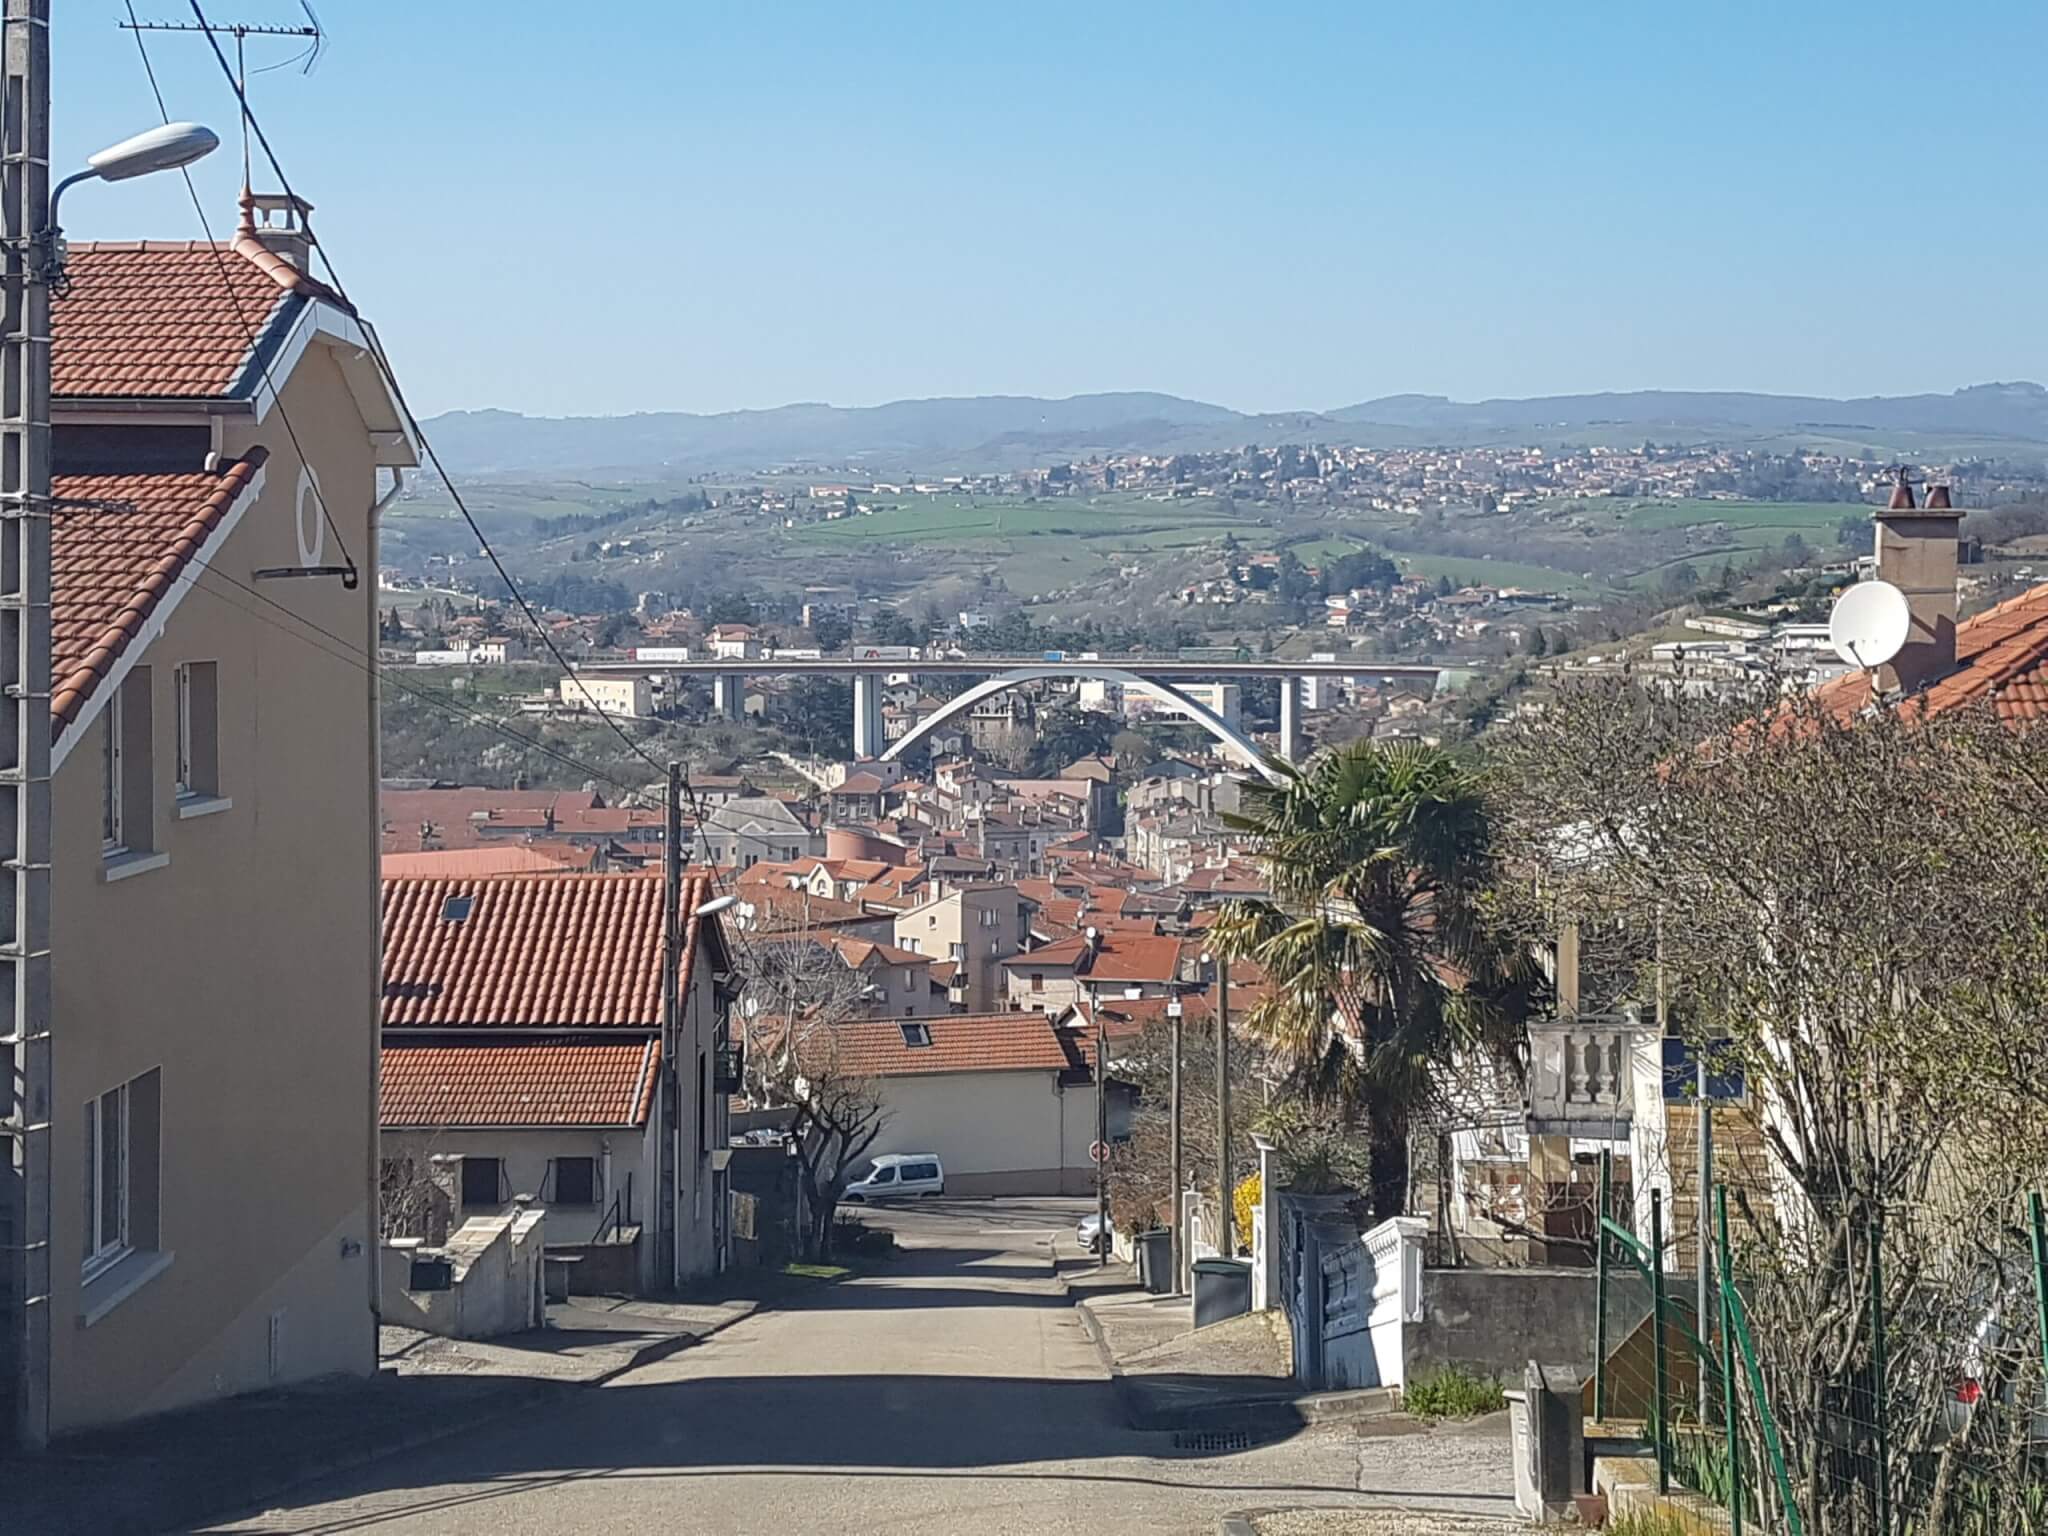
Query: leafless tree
{"x": 797, "y": 998}
{"x": 1853, "y": 910}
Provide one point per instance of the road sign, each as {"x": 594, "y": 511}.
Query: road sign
{"x": 1098, "y": 1151}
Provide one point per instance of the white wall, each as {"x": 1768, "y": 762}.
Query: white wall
{"x": 996, "y": 1132}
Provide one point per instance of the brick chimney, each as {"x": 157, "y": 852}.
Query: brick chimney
{"x": 1916, "y": 552}
{"x": 280, "y": 223}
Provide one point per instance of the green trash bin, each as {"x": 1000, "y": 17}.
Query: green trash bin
{"x": 1155, "y": 1261}
{"x": 1223, "y": 1290}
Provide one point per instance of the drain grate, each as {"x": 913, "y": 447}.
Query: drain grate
{"x": 1213, "y": 1440}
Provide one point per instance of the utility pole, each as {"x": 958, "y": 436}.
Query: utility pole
{"x": 1100, "y": 1151}
{"x": 25, "y": 748}
{"x": 669, "y": 1253}
{"x": 1227, "y": 1247}
{"x": 1173, "y": 1013}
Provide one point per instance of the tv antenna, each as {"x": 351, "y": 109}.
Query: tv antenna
{"x": 241, "y": 32}
{"x": 1869, "y": 624}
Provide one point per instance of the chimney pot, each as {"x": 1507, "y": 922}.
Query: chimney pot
{"x": 1902, "y": 494}
{"x": 1937, "y": 498}
{"x": 284, "y": 226}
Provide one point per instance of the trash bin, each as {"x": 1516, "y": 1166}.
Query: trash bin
{"x": 1223, "y": 1290}
{"x": 1155, "y": 1261}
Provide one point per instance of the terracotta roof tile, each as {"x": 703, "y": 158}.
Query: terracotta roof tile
{"x": 960, "y": 1042}
{"x": 172, "y": 319}
{"x": 527, "y": 951}
{"x": 2002, "y": 653}
{"x": 111, "y": 566}
{"x": 524, "y": 1083}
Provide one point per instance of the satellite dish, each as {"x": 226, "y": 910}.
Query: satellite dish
{"x": 1870, "y": 624}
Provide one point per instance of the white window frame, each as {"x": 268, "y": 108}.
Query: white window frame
{"x": 102, "y": 1255}
{"x": 181, "y": 685}
{"x": 194, "y": 798}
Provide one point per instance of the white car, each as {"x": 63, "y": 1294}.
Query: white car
{"x": 898, "y": 1176}
{"x": 1089, "y": 1233}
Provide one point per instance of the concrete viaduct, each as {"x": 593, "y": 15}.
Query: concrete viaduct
{"x": 1154, "y": 678}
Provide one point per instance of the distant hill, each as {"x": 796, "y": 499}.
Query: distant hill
{"x": 1005, "y": 431}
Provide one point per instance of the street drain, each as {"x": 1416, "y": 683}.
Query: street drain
{"x": 1213, "y": 1440}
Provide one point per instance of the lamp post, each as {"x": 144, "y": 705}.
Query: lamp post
{"x": 1173, "y": 1015}
{"x": 171, "y": 147}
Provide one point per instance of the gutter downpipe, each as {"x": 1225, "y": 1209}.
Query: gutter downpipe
{"x": 374, "y": 1238}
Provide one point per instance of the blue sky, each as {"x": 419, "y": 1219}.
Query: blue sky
{"x": 694, "y": 206}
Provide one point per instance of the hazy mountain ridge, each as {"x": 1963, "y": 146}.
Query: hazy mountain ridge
{"x": 1003, "y": 431}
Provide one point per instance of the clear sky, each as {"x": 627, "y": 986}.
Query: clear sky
{"x": 633, "y": 205}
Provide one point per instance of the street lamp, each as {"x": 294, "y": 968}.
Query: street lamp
{"x": 169, "y": 148}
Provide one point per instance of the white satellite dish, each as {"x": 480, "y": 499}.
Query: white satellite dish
{"x": 1870, "y": 624}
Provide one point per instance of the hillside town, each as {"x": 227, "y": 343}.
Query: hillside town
{"x": 1358, "y": 1046}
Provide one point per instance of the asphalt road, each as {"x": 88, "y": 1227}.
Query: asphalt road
{"x": 953, "y": 1392}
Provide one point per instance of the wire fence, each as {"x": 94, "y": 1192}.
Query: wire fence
{"x": 1875, "y": 1369}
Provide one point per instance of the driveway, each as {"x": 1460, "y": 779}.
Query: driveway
{"x": 954, "y": 1391}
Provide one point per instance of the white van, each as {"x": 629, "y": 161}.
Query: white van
{"x": 897, "y": 1176}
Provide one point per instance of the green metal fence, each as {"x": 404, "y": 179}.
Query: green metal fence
{"x": 1926, "y": 1413}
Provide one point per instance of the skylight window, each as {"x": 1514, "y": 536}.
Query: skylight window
{"x": 916, "y": 1034}
{"x": 456, "y": 909}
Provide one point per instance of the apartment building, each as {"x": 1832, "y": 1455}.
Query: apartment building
{"x": 976, "y": 928}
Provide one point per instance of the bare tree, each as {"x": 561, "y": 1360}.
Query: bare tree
{"x": 797, "y": 999}
{"x": 1849, "y": 909}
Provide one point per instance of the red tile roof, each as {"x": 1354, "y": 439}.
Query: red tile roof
{"x": 509, "y": 859}
{"x": 171, "y": 319}
{"x": 530, "y": 952}
{"x": 111, "y": 567}
{"x": 961, "y": 1042}
{"x": 2001, "y": 654}
{"x": 550, "y": 1083}
{"x": 461, "y": 817}
{"x": 1122, "y": 955}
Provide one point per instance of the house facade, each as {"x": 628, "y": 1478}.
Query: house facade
{"x": 977, "y": 927}
{"x": 214, "y": 826}
{"x": 524, "y": 1056}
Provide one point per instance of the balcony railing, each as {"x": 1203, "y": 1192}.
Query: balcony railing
{"x": 1581, "y": 1075}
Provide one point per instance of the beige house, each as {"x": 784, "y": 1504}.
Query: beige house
{"x": 632, "y": 697}
{"x": 978, "y": 927}
{"x": 522, "y": 1057}
{"x": 1102, "y": 964}
{"x": 214, "y": 838}
{"x": 1006, "y": 1100}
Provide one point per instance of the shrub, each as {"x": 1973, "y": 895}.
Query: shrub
{"x": 1452, "y": 1393}
{"x": 1243, "y": 1203}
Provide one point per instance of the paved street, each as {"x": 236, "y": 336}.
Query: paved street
{"x": 953, "y": 1392}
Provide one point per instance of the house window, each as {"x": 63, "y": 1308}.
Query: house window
{"x": 481, "y": 1180}
{"x": 1038, "y": 981}
{"x": 198, "y": 686}
{"x": 121, "y": 1157}
{"x": 703, "y": 1103}
{"x": 126, "y": 768}
{"x": 575, "y": 1181}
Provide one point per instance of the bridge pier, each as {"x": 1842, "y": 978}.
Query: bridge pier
{"x": 728, "y": 695}
{"x": 1290, "y": 719}
{"x": 867, "y": 715}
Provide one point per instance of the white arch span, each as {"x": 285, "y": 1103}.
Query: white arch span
{"x": 1166, "y": 694}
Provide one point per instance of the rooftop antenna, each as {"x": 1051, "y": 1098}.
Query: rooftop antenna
{"x": 241, "y": 32}
{"x": 1869, "y": 624}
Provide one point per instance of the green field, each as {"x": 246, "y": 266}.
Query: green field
{"x": 953, "y": 520}
{"x": 1780, "y": 517}
{"x": 1465, "y": 572}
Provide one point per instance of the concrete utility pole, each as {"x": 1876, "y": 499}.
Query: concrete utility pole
{"x": 669, "y": 1252}
{"x": 25, "y": 748}
{"x": 1173, "y": 1013}
{"x": 1226, "y": 1245}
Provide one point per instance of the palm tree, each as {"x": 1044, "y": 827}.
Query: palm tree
{"x": 1382, "y": 967}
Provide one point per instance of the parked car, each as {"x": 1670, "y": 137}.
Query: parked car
{"x": 899, "y": 1176}
{"x": 1095, "y": 1233}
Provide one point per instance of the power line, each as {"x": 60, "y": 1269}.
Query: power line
{"x": 220, "y": 262}
{"x": 405, "y": 407}
{"x": 255, "y": 126}
{"x": 390, "y": 376}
